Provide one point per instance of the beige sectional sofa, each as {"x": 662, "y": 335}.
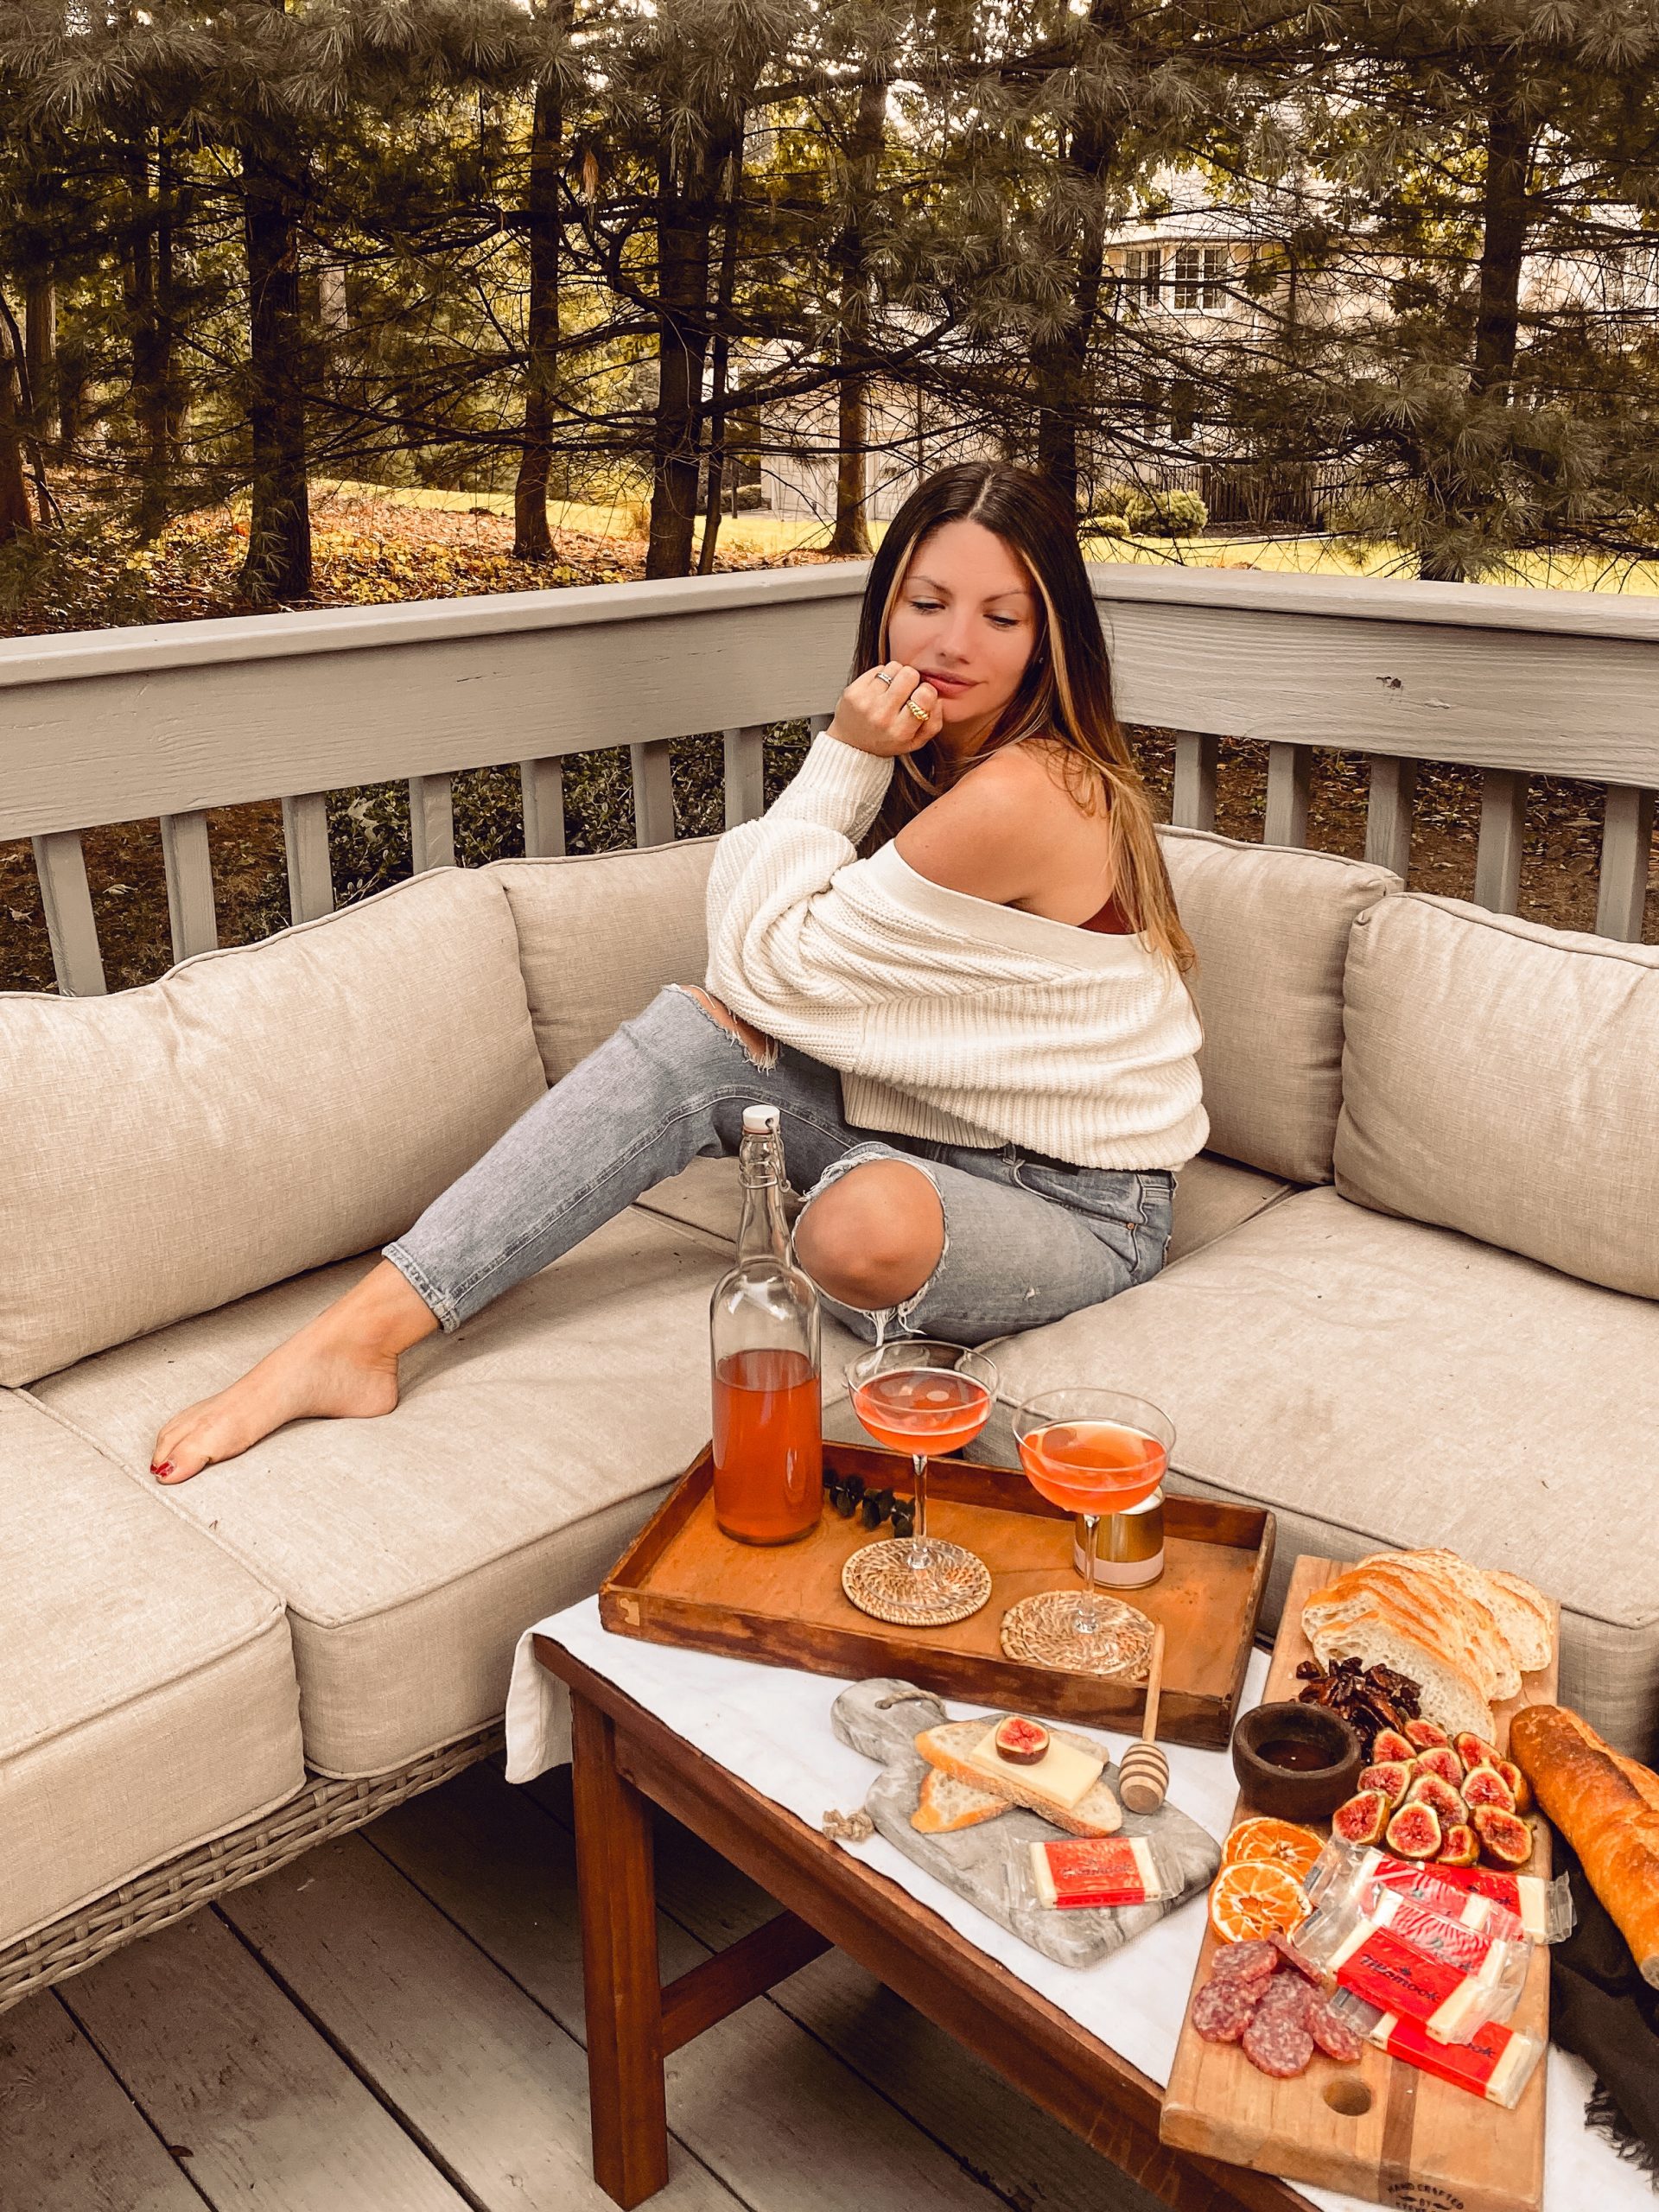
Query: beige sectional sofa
{"x": 1410, "y": 1298}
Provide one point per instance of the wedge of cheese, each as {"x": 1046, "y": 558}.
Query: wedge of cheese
{"x": 1064, "y": 1776}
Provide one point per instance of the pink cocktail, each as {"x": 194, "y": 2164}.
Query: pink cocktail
{"x": 1090, "y": 1452}
{"x": 927, "y": 1398}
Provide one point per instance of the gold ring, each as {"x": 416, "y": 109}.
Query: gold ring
{"x": 920, "y": 712}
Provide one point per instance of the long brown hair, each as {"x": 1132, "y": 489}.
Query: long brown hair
{"x": 1065, "y": 694}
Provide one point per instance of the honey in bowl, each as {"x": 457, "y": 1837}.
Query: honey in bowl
{"x": 1296, "y": 1753}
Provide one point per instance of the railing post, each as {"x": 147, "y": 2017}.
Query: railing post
{"x": 1503, "y": 826}
{"x": 1290, "y": 784}
{"x": 1387, "y": 812}
{"x": 311, "y": 876}
{"x": 68, "y": 905}
{"x": 543, "y": 785}
{"x": 190, "y": 911}
{"x": 746, "y": 772}
{"x": 653, "y": 793}
{"x": 1193, "y": 797}
{"x": 431, "y": 824}
{"x": 1626, "y": 853}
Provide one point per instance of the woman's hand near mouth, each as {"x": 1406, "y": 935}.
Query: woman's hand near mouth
{"x": 875, "y": 713}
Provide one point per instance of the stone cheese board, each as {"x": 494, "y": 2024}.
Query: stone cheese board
{"x": 882, "y": 1717}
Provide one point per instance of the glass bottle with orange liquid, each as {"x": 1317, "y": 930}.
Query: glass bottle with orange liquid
{"x": 764, "y": 1331}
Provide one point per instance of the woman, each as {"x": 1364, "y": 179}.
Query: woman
{"x": 979, "y": 1037}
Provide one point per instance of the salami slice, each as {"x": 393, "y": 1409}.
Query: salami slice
{"x": 1277, "y": 2042}
{"x": 1293, "y": 1959}
{"x": 1333, "y": 2036}
{"x": 1223, "y": 2009}
{"x": 1244, "y": 1961}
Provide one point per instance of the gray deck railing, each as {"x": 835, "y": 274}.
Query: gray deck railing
{"x": 128, "y": 725}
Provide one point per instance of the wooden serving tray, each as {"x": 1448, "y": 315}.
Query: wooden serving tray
{"x": 682, "y": 1582}
{"x": 1380, "y": 2130}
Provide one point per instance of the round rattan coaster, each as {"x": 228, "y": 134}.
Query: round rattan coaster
{"x": 1038, "y": 1630}
{"x": 878, "y": 1577}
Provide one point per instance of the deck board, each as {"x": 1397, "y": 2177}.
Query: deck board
{"x": 472, "y": 2066}
{"x": 393, "y": 2024}
{"x": 771, "y": 2110}
{"x": 264, "y": 2112}
{"x": 71, "y": 2138}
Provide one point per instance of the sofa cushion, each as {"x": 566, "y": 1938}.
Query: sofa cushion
{"x": 255, "y": 1112}
{"x": 413, "y": 1549}
{"x": 1271, "y": 927}
{"x": 1503, "y": 1078}
{"x": 150, "y": 1703}
{"x": 1381, "y": 1383}
{"x": 1212, "y": 1197}
{"x": 599, "y": 936}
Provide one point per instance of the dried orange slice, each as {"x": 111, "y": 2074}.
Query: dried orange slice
{"x": 1273, "y": 1843}
{"x": 1252, "y": 1900}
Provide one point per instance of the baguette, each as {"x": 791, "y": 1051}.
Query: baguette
{"x": 946, "y": 1747}
{"x": 1607, "y": 1807}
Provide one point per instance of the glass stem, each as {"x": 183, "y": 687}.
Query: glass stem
{"x": 918, "y": 1460}
{"x": 1086, "y": 1610}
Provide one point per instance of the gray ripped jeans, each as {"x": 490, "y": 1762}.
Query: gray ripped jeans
{"x": 1026, "y": 1240}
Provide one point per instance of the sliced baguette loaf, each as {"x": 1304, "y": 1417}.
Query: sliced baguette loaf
{"x": 1476, "y": 1598}
{"x": 1376, "y": 1632}
{"x": 946, "y": 1748}
{"x": 1530, "y": 1626}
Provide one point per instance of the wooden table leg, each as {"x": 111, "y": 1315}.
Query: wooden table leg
{"x": 618, "y": 1961}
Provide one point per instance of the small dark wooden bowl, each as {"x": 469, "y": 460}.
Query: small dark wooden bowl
{"x": 1291, "y": 1793}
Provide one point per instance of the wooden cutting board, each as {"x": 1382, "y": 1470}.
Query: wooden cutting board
{"x": 1380, "y": 2129}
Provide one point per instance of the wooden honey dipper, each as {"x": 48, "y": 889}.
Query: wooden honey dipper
{"x": 1143, "y": 1772}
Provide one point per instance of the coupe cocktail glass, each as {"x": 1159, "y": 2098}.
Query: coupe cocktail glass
{"x": 922, "y": 1396}
{"x": 1092, "y": 1451}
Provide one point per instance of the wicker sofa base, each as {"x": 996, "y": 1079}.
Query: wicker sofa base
{"x": 169, "y": 1892}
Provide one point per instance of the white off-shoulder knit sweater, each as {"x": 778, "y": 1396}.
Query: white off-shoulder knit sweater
{"x": 950, "y": 1018}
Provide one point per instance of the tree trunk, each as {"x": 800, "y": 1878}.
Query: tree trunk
{"x": 532, "y": 539}
{"x": 1505, "y": 222}
{"x": 16, "y": 520}
{"x": 278, "y": 564}
{"x": 1061, "y": 365}
{"x": 40, "y": 356}
{"x": 850, "y": 538}
{"x": 683, "y": 226}
{"x": 725, "y": 291}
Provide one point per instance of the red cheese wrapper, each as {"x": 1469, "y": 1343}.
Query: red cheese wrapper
{"x": 1496, "y": 2062}
{"x": 1088, "y": 1871}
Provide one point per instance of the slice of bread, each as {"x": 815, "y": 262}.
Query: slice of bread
{"x": 948, "y": 1804}
{"x": 1531, "y": 1626}
{"x": 1377, "y": 1633}
{"x": 1426, "y": 1609}
{"x": 1462, "y": 1589}
{"x": 946, "y": 1748}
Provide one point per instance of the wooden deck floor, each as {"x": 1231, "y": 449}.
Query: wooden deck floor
{"x": 394, "y": 2023}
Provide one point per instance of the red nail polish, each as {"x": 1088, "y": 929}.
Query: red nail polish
{"x": 166, "y": 1468}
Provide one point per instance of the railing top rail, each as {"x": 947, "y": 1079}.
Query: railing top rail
{"x": 148, "y": 647}
{"x": 75, "y": 655}
{"x": 1382, "y": 599}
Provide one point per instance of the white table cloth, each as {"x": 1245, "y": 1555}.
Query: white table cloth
{"x": 770, "y": 1726}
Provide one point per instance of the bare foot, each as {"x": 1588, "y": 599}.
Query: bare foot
{"x": 342, "y": 1364}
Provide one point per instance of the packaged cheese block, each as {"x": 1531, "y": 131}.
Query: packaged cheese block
{"x": 1515, "y": 1905}
{"x": 1101, "y": 1872}
{"x": 1496, "y": 2062}
{"x": 1403, "y": 1958}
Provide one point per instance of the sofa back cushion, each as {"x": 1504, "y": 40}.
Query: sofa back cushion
{"x": 600, "y": 936}
{"x": 1503, "y": 1078}
{"x": 254, "y": 1113}
{"x": 1271, "y": 926}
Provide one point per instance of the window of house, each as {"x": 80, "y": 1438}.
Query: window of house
{"x": 1143, "y": 269}
{"x": 1199, "y": 275}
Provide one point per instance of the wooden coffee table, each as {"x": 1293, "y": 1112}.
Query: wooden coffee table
{"x": 626, "y": 1759}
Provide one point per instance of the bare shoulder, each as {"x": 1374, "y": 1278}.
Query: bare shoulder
{"x": 996, "y": 834}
